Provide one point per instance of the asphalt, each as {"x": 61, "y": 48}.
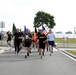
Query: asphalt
{"x": 56, "y": 64}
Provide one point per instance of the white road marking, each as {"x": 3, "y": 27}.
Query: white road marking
{"x": 68, "y": 56}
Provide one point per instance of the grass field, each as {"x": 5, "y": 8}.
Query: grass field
{"x": 66, "y": 47}
{"x": 61, "y": 40}
{"x": 1, "y": 45}
{"x": 72, "y": 51}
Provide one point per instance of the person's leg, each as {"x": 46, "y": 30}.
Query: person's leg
{"x": 47, "y": 46}
{"x": 20, "y": 46}
{"x": 28, "y": 51}
{"x": 15, "y": 45}
{"x": 18, "y": 49}
{"x": 50, "y": 49}
{"x": 39, "y": 48}
{"x": 41, "y": 51}
{"x": 25, "y": 52}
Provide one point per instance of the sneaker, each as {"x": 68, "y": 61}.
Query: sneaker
{"x": 25, "y": 56}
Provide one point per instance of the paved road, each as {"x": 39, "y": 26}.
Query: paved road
{"x": 57, "y": 64}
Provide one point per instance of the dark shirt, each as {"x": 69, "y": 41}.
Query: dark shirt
{"x": 42, "y": 38}
{"x": 21, "y": 33}
{"x": 17, "y": 35}
{"x": 28, "y": 37}
{"x": 9, "y": 36}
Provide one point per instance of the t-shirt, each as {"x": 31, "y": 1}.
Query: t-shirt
{"x": 17, "y": 35}
{"x": 9, "y": 36}
{"x": 27, "y": 37}
{"x": 42, "y": 38}
{"x": 51, "y": 37}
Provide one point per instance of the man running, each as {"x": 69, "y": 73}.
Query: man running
{"x": 27, "y": 43}
{"x": 17, "y": 39}
{"x": 9, "y": 37}
{"x": 21, "y": 40}
{"x": 51, "y": 40}
{"x": 42, "y": 39}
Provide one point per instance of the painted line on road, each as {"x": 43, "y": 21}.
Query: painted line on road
{"x": 68, "y": 56}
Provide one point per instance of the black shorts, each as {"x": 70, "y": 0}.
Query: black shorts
{"x": 42, "y": 45}
{"x": 26, "y": 44}
{"x": 51, "y": 43}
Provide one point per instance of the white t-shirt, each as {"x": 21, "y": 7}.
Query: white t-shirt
{"x": 51, "y": 37}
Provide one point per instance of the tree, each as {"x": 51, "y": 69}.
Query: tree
{"x": 59, "y": 32}
{"x": 69, "y": 32}
{"x": 44, "y": 18}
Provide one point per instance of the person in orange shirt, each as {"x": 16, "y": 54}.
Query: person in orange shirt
{"x": 35, "y": 40}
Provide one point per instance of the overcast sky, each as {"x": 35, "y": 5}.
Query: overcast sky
{"x": 22, "y": 12}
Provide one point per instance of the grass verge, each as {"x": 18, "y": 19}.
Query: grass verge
{"x": 1, "y": 45}
{"x": 67, "y": 47}
{"x": 72, "y": 51}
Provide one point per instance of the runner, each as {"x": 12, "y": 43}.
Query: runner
{"x": 38, "y": 34}
{"x": 51, "y": 40}
{"x": 27, "y": 43}
{"x": 35, "y": 40}
{"x": 17, "y": 42}
{"x": 21, "y": 40}
{"x": 9, "y": 37}
{"x": 42, "y": 39}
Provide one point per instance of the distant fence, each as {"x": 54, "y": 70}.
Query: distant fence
{"x": 65, "y": 35}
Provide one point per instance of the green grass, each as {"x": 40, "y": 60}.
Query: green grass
{"x": 5, "y": 38}
{"x": 2, "y": 45}
{"x": 72, "y": 51}
{"x": 61, "y": 40}
{"x": 67, "y": 47}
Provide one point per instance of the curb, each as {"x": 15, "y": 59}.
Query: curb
{"x": 72, "y": 55}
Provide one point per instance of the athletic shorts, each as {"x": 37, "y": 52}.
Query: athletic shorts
{"x": 51, "y": 43}
{"x": 42, "y": 45}
{"x": 26, "y": 44}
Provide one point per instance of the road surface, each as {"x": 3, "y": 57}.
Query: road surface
{"x": 57, "y": 64}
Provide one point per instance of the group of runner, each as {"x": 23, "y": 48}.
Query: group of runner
{"x": 28, "y": 40}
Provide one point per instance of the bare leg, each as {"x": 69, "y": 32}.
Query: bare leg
{"x": 41, "y": 51}
{"x": 25, "y": 52}
{"x": 50, "y": 48}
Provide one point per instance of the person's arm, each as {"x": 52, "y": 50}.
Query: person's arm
{"x": 45, "y": 39}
